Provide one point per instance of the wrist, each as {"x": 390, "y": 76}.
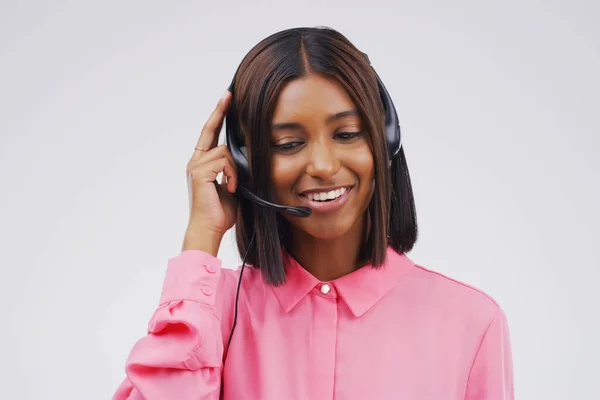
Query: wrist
{"x": 201, "y": 238}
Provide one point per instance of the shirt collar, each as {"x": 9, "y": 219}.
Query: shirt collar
{"x": 360, "y": 289}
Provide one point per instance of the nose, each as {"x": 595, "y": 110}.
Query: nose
{"x": 323, "y": 163}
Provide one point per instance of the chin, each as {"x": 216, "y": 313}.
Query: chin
{"x": 325, "y": 230}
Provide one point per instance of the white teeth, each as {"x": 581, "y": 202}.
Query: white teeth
{"x": 322, "y": 196}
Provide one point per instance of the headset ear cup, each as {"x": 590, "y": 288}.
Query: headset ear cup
{"x": 393, "y": 134}
{"x": 235, "y": 142}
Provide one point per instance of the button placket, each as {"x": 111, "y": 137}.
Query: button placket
{"x": 323, "y": 350}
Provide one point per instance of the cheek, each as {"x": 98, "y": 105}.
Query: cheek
{"x": 284, "y": 173}
{"x": 362, "y": 164}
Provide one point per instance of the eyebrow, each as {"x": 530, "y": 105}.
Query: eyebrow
{"x": 330, "y": 119}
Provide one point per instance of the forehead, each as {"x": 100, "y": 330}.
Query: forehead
{"x": 311, "y": 97}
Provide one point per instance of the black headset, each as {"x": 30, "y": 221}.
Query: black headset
{"x": 238, "y": 151}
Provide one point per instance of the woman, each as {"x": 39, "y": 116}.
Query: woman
{"x": 332, "y": 307}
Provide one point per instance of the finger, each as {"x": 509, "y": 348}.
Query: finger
{"x": 208, "y": 171}
{"x": 211, "y": 129}
{"x": 221, "y": 151}
{"x": 231, "y": 183}
{"x": 225, "y": 180}
{"x": 218, "y": 152}
{"x": 204, "y": 157}
{"x": 228, "y": 171}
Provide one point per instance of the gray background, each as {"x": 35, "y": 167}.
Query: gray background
{"x": 101, "y": 104}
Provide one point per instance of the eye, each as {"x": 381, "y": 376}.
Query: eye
{"x": 346, "y": 136}
{"x": 286, "y": 146}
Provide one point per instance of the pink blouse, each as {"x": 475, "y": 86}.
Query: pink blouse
{"x": 398, "y": 332}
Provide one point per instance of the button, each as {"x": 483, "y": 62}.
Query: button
{"x": 207, "y": 290}
{"x": 210, "y": 269}
{"x": 325, "y": 289}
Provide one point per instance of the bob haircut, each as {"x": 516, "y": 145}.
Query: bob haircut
{"x": 261, "y": 76}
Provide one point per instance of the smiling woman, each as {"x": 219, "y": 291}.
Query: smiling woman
{"x": 309, "y": 101}
{"x": 332, "y": 307}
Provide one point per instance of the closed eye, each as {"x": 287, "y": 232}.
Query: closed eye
{"x": 341, "y": 136}
{"x": 346, "y": 136}
{"x": 286, "y": 146}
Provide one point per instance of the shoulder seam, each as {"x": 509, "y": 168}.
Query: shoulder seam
{"x": 466, "y": 285}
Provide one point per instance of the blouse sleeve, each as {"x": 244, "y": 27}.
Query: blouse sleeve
{"x": 181, "y": 356}
{"x": 491, "y": 376}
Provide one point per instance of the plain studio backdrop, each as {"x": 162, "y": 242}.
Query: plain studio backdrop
{"x": 101, "y": 104}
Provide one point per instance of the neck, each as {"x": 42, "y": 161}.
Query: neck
{"x": 328, "y": 259}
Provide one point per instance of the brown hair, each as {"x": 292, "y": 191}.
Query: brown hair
{"x": 266, "y": 69}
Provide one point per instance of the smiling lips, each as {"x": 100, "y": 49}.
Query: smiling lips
{"x": 324, "y": 196}
{"x": 326, "y": 200}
